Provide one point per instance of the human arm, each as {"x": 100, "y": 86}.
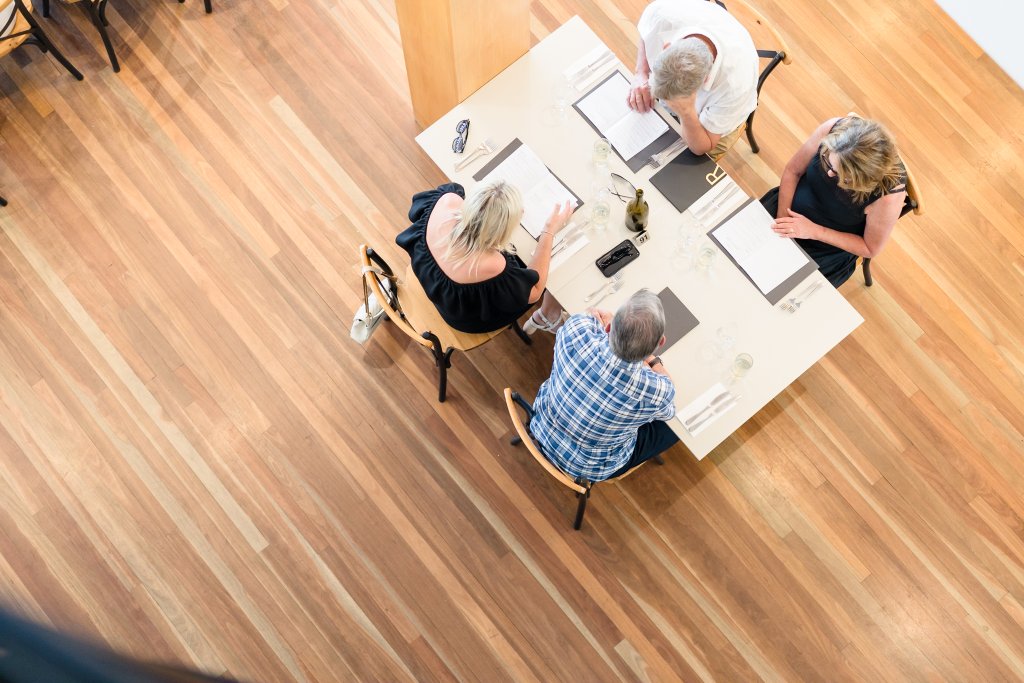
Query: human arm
{"x": 639, "y": 97}
{"x": 655, "y": 364}
{"x": 881, "y": 216}
{"x": 541, "y": 259}
{"x": 604, "y": 317}
{"x": 698, "y": 139}
{"x": 797, "y": 166}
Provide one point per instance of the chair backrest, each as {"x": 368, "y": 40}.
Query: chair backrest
{"x": 914, "y": 200}
{"x": 411, "y": 309}
{"x": 375, "y": 271}
{"x": 524, "y": 434}
{"x": 769, "y": 42}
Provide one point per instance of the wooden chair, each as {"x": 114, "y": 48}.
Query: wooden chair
{"x": 209, "y": 5}
{"x": 408, "y": 307}
{"x": 760, "y": 30}
{"x": 17, "y": 26}
{"x": 580, "y": 486}
{"x": 913, "y": 202}
{"x": 97, "y": 10}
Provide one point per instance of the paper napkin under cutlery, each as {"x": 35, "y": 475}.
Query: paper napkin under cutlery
{"x": 706, "y": 408}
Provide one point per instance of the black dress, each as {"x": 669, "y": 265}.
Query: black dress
{"x": 819, "y": 198}
{"x": 476, "y": 307}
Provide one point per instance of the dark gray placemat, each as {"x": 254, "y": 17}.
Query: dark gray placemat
{"x": 678, "y": 318}
{"x": 643, "y": 156}
{"x": 787, "y": 285}
{"x": 686, "y": 178}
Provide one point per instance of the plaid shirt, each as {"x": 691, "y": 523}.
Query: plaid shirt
{"x": 588, "y": 412}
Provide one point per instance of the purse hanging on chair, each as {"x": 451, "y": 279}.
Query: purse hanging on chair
{"x": 370, "y": 314}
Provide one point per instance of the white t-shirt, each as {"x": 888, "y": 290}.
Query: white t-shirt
{"x": 729, "y": 92}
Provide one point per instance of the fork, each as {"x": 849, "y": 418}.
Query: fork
{"x": 485, "y": 148}
{"x": 794, "y": 302}
{"x": 611, "y": 290}
{"x": 617, "y": 278}
{"x": 658, "y": 159}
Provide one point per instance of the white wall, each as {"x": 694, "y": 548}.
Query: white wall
{"x": 995, "y": 25}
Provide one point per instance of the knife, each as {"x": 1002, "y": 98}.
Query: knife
{"x": 715, "y": 401}
{"x": 604, "y": 55}
{"x": 720, "y": 409}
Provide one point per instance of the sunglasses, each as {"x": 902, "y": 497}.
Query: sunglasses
{"x": 622, "y": 188}
{"x": 459, "y": 143}
{"x": 829, "y": 168}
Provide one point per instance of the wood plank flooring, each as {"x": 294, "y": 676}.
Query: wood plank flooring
{"x": 197, "y": 464}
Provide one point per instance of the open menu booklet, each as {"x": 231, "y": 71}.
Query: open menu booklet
{"x": 519, "y": 166}
{"x": 634, "y": 136}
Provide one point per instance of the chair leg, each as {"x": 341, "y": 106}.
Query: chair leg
{"x": 581, "y": 508}
{"x": 46, "y": 8}
{"x": 97, "y": 12}
{"x": 443, "y": 360}
{"x": 521, "y": 333}
{"x": 658, "y": 459}
{"x": 209, "y": 6}
{"x": 40, "y": 40}
{"x": 515, "y": 440}
{"x": 867, "y": 273}
{"x": 3, "y": 202}
{"x": 103, "y": 12}
{"x": 750, "y": 133}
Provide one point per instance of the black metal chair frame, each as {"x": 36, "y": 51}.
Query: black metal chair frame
{"x": 776, "y": 57}
{"x": 442, "y": 356}
{"x": 37, "y": 37}
{"x": 97, "y": 10}
{"x": 209, "y": 5}
{"x": 581, "y": 498}
{"x": 909, "y": 204}
{"x": 98, "y": 13}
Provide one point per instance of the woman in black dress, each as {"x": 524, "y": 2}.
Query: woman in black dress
{"x": 455, "y": 245}
{"x": 840, "y": 195}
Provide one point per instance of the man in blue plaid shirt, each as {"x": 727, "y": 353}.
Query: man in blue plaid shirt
{"x": 602, "y": 411}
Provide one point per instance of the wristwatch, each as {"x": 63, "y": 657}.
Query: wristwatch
{"x": 656, "y": 361}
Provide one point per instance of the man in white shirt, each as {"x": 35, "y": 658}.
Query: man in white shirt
{"x": 701, "y": 63}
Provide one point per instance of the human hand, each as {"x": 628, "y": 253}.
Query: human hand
{"x": 639, "y": 97}
{"x": 559, "y": 218}
{"x": 795, "y": 226}
{"x": 604, "y": 317}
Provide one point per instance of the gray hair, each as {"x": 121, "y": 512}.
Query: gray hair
{"x": 637, "y": 327}
{"x": 680, "y": 69}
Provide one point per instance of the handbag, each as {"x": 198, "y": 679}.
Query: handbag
{"x": 370, "y": 314}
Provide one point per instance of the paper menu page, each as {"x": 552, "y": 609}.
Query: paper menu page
{"x": 628, "y": 131}
{"x": 767, "y": 258}
{"x": 539, "y": 188}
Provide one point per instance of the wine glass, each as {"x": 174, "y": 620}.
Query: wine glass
{"x": 741, "y": 365}
{"x": 560, "y": 95}
{"x": 706, "y": 257}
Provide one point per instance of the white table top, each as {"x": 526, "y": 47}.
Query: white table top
{"x": 516, "y": 104}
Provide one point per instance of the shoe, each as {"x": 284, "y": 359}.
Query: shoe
{"x": 537, "y": 321}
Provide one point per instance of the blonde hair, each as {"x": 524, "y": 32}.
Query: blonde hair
{"x": 868, "y": 160}
{"x": 485, "y": 223}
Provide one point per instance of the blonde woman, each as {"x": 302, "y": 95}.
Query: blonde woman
{"x": 456, "y": 246}
{"x": 840, "y": 195}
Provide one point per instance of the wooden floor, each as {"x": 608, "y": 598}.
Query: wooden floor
{"x": 199, "y": 465}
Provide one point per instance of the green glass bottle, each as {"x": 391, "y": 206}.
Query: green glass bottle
{"x": 636, "y": 213}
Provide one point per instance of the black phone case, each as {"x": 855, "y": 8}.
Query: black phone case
{"x": 615, "y": 266}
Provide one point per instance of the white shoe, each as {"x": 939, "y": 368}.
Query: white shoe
{"x": 532, "y": 323}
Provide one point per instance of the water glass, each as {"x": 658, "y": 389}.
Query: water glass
{"x": 561, "y": 94}
{"x": 601, "y": 210}
{"x": 602, "y": 148}
{"x": 706, "y": 257}
{"x": 726, "y": 337}
{"x": 740, "y": 366}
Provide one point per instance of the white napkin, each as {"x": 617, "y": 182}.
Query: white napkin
{"x": 576, "y": 69}
{"x": 703, "y": 401}
{"x": 718, "y": 202}
{"x": 564, "y": 255}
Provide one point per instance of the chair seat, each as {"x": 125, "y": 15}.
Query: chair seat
{"x": 20, "y": 25}
{"x": 423, "y": 315}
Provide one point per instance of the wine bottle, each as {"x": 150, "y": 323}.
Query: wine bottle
{"x": 636, "y": 213}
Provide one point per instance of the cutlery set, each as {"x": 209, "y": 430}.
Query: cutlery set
{"x": 483, "y": 149}
{"x": 718, "y": 405}
{"x": 793, "y": 303}
{"x": 661, "y": 157}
